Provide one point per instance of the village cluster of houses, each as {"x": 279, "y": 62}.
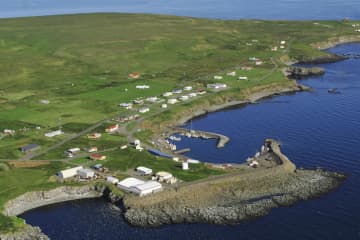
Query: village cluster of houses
{"x": 356, "y": 26}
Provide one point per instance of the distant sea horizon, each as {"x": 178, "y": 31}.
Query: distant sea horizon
{"x": 219, "y": 9}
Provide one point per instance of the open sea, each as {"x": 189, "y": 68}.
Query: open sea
{"x": 315, "y": 128}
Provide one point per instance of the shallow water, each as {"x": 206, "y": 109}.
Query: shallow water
{"x": 225, "y": 9}
{"x": 316, "y": 129}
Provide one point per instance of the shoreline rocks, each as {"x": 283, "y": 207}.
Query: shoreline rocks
{"x": 233, "y": 198}
{"x": 32, "y": 200}
{"x": 303, "y": 72}
{"x": 27, "y": 233}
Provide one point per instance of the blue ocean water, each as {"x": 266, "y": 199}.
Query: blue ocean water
{"x": 316, "y": 129}
{"x": 225, "y": 9}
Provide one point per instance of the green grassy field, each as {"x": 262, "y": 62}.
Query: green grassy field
{"x": 81, "y": 63}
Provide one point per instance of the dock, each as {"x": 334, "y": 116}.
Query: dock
{"x": 222, "y": 139}
{"x": 181, "y": 151}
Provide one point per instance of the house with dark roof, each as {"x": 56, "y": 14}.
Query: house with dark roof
{"x": 30, "y": 148}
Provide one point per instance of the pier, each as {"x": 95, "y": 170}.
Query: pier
{"x": 222, "y": 139}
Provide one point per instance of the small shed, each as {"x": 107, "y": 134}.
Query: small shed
{"x": 112, "y": 180}
{"x": 144, "y": 170}
{"x": 85, "y": 173}
{"x": 97, "y": 157}
{"x": 163, "y": 176}
{"x": 30, "y": 148}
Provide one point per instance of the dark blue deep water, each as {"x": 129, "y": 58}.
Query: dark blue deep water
{"x": 316, "y": 129}
{"x": 225, "y": 9}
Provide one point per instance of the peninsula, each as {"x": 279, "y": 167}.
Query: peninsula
{"x": 85, "y": 90}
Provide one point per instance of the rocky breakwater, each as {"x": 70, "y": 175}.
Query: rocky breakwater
{"x": 234, "y": 197}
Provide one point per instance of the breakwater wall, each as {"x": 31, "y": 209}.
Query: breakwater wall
{"x": 222, "y": 139}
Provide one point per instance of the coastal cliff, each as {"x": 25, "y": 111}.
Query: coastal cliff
{"x": 233, "y": 198}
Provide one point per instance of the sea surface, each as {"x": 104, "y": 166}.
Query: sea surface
{"x": 316, "y": 129}
{"x": 224, "y": 9}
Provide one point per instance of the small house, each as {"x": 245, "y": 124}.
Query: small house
{"x": 192, "y": 94}
{"x": 30, "y": 148}
{"x": 98, "y": 167}
{"x": 163, "y": 176}
{"x": 185, "y": 165}
{"x": 177, "y": 91}
{"x": 218, "y": 77}
{"x": 94, "y": 135}
{"x": 134, "y": 75}
{"x": 188, "y": 88}
{"x": 243, "y": 78}
{"x": 144, "y": 110}
{"x": 164, "y": 105}
{"x": 142, "y": 86}
{"x": 85, "y": 173}
{"x": 167, "y": 94}
{"x": 184, "y": 98}
{"x": 53, "y": 133}
{"x": 112, "y": 180}
{"x": 97, "y": 157}
{"x": 9, "y": 132}
{"x": 172, "y": 101}
{"x": 231, "y": 74}
{"x": 91, "y": 149}
{"x": 144, "y": 170}
{"x": 69, "y": 173}
{"x": 112, "y": 128}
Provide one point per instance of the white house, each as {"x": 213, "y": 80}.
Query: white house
{"x": 112, "y": 180}
{"x": 152, "y": 99}
{"x": 142, "y": 86}
{"x": 243, "y": 78}
{"x": 144, "y": 170}
{"x": 146, "y": 188}
{"x": 128, "y": 183}
{"x": 192, "y": 94}
{"x": 184, "y": 98}
{"x": 188, "y": 88}
{"x": 177, "y": 91}
{"x": 259, "y": 62}
{"x": 164, "y": 105}
{"x": 53, "y": 133}
{"x": 163, "y": 176}
{"x": 144, "y": 110}
{"x": 167, "y": 94}
{"x": 73, "y": 150}
{"x": 282, "y": 42}
{"x": 69, "y": 173}
{"x": 85, "y": 173}
{"x": 232, "y": 74}
{"x": 185, "y": 165}
{"x": 218, "y": 77}
{"x": 217, "y": 86}
{"x": 172, "y": 101}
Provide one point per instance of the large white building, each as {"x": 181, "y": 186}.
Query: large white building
{"x": 127, "y": 183}
{"x": 139, "y": 187}
{"x": 147, "y": 188}
{"x": 69, "y": 173}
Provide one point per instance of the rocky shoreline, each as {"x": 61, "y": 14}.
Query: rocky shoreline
{"x": 232, "y": 199}
{"x": 32, "y": 200}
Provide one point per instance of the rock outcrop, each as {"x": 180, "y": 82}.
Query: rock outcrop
{"x": 302, "y": 72}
